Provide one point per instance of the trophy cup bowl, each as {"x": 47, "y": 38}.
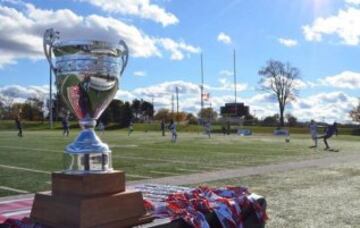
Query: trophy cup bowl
{"x": 87, "y": 78}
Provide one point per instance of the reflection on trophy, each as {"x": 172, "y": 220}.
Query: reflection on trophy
{"x": 88, "y": 193}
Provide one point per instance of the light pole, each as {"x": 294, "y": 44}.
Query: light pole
{"x": 50, "y": 37}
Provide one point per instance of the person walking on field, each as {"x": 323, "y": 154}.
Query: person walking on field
{"x": 65, "y": 124}
{"x": 162, "y": 127}
{"x": 329, "y": 132}
{"x": 208, "y": 129}
{"x": 172, "y": 129}
{"x": 131, "y": 128}
{"x": 18, "y": 125}
{"x": 101, "y": 127}
{"x": 313, "y": 132}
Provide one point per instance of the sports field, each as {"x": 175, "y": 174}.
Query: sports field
{"x": 26, "y": 163}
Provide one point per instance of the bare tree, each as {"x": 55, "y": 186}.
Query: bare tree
{"x": 279, "y": 79}
{"x": 355, "y": 113}
{"x": 7, "y": 103}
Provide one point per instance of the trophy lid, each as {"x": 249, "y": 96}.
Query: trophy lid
{"x": 95, "y": 47}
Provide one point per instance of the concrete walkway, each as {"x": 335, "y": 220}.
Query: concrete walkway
{"x": 199, "y": 178}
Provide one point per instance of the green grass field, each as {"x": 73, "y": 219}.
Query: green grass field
{"x": 307, "y": 197}
{"x": 26, "y": 162}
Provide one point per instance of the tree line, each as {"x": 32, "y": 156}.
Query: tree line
{"x": 123, "y": 112}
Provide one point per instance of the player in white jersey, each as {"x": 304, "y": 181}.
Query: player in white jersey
{"x": 313, "y": 132}
{"x": 172, "y": 129}
{"x": 207, "y": 127}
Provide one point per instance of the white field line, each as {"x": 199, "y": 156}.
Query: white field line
{"x": 164, "y": 172}
{"x": 13, "y": 190}
{"x": 46, "y": 172}
{"x": 164, "y": 160}
{"x": 25, "y": 169}
{"x": 129, "y": 157}
{"x": 137, "y": 176}
{"x": 190, "y": 170}
{"x": 32, "y": 149}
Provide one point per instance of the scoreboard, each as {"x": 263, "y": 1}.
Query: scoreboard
{"x": 234, "y": 110}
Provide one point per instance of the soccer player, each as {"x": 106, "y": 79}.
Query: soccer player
{"x": 101, "y": 127}
{"x": 313, "y": 132}
{"x": 131, "y": 128}
{"x": 172, "y": 129}
{"x": 65, "y": 124}
{"x": 329, "y": 132}
{"x": 18, "y": 125}
{"x": 208, "y": 129}
{"x": 162, "y": 127}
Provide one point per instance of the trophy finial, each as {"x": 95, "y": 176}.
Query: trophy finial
{"x": 50, "y": 36}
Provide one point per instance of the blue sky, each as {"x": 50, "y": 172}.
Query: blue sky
{"x": 166, "y": 37}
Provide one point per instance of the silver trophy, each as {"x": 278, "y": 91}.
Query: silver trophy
{"x": 87, "y": 78}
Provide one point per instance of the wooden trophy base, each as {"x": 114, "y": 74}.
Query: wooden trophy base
{"x": 89, "y": 200}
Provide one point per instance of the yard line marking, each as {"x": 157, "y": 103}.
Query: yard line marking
{"x": 217, "y": 167}
{"x": 138, "y": 176}
{"x": 25, "y": 169}
{"x": 170, "y": 161}
{"x": 190, "y": 170}
{"x": 123, "y": 146}
{"x": 13, "y": 189}
{"x": 33, "y": 149}
{"x": 163, "y": 172}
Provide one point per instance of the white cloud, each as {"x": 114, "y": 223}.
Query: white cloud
{"x": 227, "y": 85}
{"x": 167, "y": 88}
{"x": 346, "y": 25}
{"x": 346, "y": 80}
{"x": 177, "y": 49}
{"x": 21, "y": 93}
{"x": 330, "y": 107}
{"x": 141, "y": 8}
{"x": 124, "y": 95}
{"x": 288, "y": 42}
{"x": 139, "y": 73}
{"x": 354, "y": 2}
{"x": 226, "y": 73}
{"x": 224, "y": 38}
{"x": 22, "y": 29}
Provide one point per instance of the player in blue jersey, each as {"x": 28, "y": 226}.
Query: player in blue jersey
{"x": 329, "y": 132}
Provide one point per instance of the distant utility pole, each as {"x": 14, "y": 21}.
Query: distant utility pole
{"x": 172, "y": 103}
{"x": 177, "y": 101}
{"x": 153, "y": 107}
{"x": 202, "y": 85}
{"x": 235, "y": 83}
{"x": 152, "y": 102}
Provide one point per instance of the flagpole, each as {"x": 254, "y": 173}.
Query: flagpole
{"x": 177, "y": 101}
{"x": 172, "y": 104}
{"x": 202, "y": 85}
{"x": 235, "y": 83}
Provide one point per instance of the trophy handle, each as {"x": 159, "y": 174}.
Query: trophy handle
{"x": 50, "y": 36}
{"x": 125, "y": 56}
